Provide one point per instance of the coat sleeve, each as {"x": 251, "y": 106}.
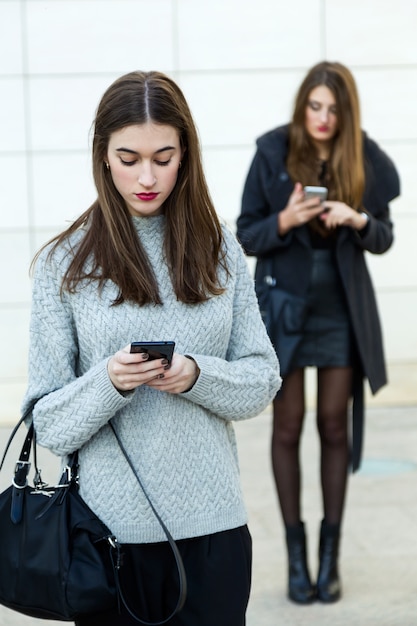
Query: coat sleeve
{"x": 382, "y": 186}
{"x": 265, "y": 193}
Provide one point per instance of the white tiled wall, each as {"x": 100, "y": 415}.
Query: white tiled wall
{"x": 239, "y": 64}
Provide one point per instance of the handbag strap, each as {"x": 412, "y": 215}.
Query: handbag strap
{"x": 28, "y": 441}
{"x": 178, "y": 560}
{"x": 26, "y": 449}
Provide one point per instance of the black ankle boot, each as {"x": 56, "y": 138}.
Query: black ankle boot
{"x": 328, "y": 582}
{"x": 300, "y": 589}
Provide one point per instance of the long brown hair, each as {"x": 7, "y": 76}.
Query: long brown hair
{"x": 110, "y": 247}
{"x": 346, "y": 173}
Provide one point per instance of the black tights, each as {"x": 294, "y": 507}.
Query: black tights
{"x": 333, "y": 392}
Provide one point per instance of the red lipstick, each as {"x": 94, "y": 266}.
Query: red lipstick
{"x": 146, "y": 196}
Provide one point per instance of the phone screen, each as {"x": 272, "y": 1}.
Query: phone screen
{"x": 155, "y": 349}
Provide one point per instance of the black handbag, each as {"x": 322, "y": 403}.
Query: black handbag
{"x": 57, "y": 558}
{"x": 284, "y": 315}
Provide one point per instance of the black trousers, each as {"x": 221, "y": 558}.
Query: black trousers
{"x": 218, "y": 569}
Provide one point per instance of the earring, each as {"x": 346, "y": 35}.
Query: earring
{"x": 107, "y": 165}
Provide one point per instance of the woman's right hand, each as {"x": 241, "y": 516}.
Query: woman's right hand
{"x": 298, "y": 210}
{"x": 130, "y": 370}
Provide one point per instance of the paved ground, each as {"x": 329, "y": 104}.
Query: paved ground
{"x": 379, "y": 547}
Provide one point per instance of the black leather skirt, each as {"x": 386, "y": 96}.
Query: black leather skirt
{"x": 327, "y": 336}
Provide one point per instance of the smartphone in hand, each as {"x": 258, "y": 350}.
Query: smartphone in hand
{"x": 315, "y": 192}
{"x": 155, "y": 349}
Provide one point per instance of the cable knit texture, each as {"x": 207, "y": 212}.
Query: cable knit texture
{"x": 182, "y": 445}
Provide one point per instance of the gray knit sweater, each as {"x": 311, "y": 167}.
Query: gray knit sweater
{"x": 183, "y": 446}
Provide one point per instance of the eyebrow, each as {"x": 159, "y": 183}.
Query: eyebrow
{"x": 129, "y": 151}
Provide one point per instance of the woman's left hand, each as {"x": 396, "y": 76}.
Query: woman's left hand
{"x": 179, "y": 377}
{"x": 340, "y": 214}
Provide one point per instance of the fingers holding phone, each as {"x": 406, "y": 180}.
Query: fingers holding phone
{"x": 340, "y": 214}
{"x": 179, "y": 378}
{"x": 131, "y": 367}
{"x": 303, "y": 205}
{"x": 316, "y": 197}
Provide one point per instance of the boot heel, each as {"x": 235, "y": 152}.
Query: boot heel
{"x": 300, "y": 588}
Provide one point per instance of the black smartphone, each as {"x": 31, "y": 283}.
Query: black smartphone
{"x": 155, "y": 349}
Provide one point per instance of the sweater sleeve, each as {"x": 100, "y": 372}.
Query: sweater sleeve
{"x": 53, "y": 375}
{"x": 241, "y": 385}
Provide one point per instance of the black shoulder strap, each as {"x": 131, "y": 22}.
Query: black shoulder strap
{"x": 28, "y": 440}
{"x": 178, "y": 560}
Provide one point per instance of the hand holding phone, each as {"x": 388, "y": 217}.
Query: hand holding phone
{"x": 155, "y": 349}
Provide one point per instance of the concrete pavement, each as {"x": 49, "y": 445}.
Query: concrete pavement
{"x": 379, "y": 546}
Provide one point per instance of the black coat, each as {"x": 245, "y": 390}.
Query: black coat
{"x": 266, "y": 193}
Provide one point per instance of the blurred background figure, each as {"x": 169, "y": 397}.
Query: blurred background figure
{"x": 316, "y": 293}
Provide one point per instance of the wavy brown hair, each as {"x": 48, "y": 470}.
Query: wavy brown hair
{"x": 345, "y": 173}
{"x": 110, "y": 248}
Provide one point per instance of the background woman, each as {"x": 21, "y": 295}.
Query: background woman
{"x": 150, "y": 261}
{"x": 314, "y": 252}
